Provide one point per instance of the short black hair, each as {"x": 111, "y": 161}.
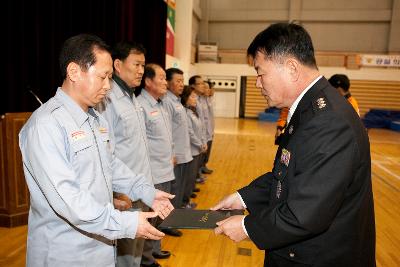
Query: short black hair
{"x": 340, "y": 80}
{"x": 149, "y": 72}
{"x": 171, "y": 71}
{"x": 192, "y": 79}
{"x": 122, "y": 50}
{"x": 80, "y": 49}
{"x": 284, "y": 39}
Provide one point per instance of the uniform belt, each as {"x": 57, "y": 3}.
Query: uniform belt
{"x": 103, "y": 239}
{"x": 110, "y": 242}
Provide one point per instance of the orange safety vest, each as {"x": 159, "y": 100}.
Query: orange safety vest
{"x": 353, "y": 102}
{"x": 282, "y": 118}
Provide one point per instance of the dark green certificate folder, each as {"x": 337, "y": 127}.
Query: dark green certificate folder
{"x": 196, "y": 219}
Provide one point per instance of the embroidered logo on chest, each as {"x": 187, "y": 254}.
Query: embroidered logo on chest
{"x": 154, "y": 113}
{"x": 103, "y": 130}
{"x": 78, "y": 135}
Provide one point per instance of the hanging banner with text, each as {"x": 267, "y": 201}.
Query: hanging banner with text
{"x": 380, "y": 60}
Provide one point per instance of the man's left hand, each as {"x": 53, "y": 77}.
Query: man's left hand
{"x": 162, "y": 204}
{"x": 232, "y": 228}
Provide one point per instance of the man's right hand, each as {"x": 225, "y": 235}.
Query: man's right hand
{"x": 204, "y": 148}
{"x": 231, "y": 202}
{"x": 145, "y": 229}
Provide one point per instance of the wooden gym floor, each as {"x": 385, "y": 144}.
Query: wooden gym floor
{"x": 242, "y": 150}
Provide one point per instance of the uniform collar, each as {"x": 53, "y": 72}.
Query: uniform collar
{"x": 305, "y": 104}
{"x": 172, "y": 96}
{"x": 123, "y": 86}
{"x": 76, "y": 112}
{"x": 153, "y": 102}
{"x": 297, "y": 101}
{"x": 312, "y": 94}
{"x": 306, "y": 101}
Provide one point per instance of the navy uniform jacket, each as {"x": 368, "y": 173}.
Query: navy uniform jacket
{"x": 316, "y": 206}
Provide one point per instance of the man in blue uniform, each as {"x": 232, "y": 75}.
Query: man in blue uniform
{"x": 180, "y": 137}
{"x": 315, "y": 208}
{"x": 159, "y": 135}
{"x": 71, "y": 170}
{"x": 125, "y": 117}
{"x": 197, "y": 83}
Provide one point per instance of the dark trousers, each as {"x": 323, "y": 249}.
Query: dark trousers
{"x": 129, "y": 251}
{"x": 207, "y": 155}
{"x": 151, "y": 246}
{"x": 182, "y": 173}
{"x": 193, "y": 171}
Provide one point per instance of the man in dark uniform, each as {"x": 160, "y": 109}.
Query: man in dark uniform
{"x": 315, "y": 208}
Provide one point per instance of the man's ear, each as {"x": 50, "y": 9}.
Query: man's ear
{"x": 293, "y": 68}
{"x": 73, "y": 71}
{"x": 147, "y": 82}
{"x": 117, "y": 65}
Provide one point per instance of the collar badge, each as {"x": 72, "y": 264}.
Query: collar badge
{"x": 291, "y": 129}
{"x": 321, "y": 103}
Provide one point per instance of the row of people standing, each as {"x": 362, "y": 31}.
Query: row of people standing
{"x": 154, "y": 134}
{"x": 75, "y": 161}
{"x": 145, "y": 150}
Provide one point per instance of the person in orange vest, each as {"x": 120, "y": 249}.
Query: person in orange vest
{"x": 342, "y": 83}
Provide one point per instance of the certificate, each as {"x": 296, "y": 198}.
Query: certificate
{"x": 196, "y": 219}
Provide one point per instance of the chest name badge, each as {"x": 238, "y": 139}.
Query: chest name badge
{"x": 285, "y": 157}
{"x": 78, "y": 135}
{"x": 154, "y": 113}
{"x": 103, "y": 130}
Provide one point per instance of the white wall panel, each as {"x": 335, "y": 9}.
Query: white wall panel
{"x": 351, "y": 37}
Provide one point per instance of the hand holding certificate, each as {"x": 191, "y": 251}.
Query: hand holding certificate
{"x": 232, "y": 227}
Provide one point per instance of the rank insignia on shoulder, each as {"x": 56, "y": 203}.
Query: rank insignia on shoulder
{"x": 285, "y": 157}
{"x": 321, "y": 103}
